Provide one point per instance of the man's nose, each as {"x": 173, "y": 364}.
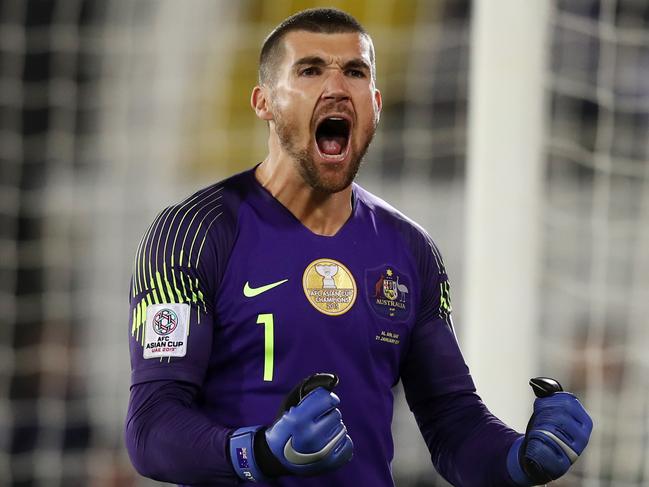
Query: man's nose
{"x": 336, "y": 86}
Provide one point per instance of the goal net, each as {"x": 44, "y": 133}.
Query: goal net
{"x": 596, "y": 230}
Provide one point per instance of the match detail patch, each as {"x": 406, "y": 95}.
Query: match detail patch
{"x": 166, "y": 330}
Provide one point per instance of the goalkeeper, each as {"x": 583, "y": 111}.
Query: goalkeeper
{"x": 273, "y": 312}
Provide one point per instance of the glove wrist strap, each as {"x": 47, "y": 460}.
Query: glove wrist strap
{"x": 242, "y": 454}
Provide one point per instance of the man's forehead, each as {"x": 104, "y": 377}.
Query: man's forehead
{"x": 341, "y": 45}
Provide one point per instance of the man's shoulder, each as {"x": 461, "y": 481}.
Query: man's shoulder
{"x": 416, "y": 238}
{"x": 218, "y": 201}
{"x": 389, "y": 214}
{"x": 206, "y": 218}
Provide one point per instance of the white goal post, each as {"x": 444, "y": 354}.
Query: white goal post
{"x": 506, "y": 114}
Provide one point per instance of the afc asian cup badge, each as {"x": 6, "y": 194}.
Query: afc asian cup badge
{"x": 329, "y": 286}
{"x": 165, "y": 321}
{"x": 166, "y": 330}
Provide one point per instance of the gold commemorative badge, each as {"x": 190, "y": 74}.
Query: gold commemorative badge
{"x": 329, "y": 286}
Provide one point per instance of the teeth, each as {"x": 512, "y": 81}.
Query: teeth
{"x": 333, "y": 157}
{"x": 335, "y": 118}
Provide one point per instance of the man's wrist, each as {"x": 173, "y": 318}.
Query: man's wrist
{"x": 514, "y": 467}
{"x": 242, "y": 454}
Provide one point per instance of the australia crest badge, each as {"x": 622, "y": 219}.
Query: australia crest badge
{"x": 388, "y": 292}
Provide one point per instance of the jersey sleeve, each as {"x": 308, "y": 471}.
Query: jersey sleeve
{"x": 171, "y": 315}
{"x": 170, "y": 440}
{"x": 434, "y": 365}
{"x": 468, "y": 445}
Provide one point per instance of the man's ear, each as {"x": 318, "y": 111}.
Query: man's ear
{"x": 260, "y": 103}
{"x": 378, "y": 103}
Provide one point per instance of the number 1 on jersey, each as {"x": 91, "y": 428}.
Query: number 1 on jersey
{"x": 267, "y": 321}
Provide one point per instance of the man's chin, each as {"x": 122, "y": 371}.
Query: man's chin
{"x": 332, "y": 185}
{"x": 327, "y": 176}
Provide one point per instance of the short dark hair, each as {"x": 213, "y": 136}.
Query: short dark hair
{"x": 320, "y": 20}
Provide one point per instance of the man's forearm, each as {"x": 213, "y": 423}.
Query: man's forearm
{"x": 468, "y": 445}
{"x": 169, "y": 441}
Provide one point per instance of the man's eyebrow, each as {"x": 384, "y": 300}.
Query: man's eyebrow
{"x": 357, "y": 63}
{"x": 311, "y": 60}
{"x": 318, "y": 61}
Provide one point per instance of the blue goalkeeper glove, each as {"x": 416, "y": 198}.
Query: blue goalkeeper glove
{"x": 556, "y": 435}
{"x": 308, "y": 438}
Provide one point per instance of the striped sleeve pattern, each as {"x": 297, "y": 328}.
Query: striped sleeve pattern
{"x": 173, "y": 262}
{"x": 442, "y": 294}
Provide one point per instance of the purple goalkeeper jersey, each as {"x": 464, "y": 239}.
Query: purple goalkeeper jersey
{"x": 233, "y": 294}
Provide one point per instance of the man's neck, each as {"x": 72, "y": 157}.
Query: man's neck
{"x": 322, "y": 213}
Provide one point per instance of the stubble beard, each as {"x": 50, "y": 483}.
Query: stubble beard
{"x": 332, "y": 180}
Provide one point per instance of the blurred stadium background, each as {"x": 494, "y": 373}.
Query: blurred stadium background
{"x": 111, "y": 109}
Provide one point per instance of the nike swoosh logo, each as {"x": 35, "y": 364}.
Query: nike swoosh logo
{"x": 570, "y": 453}
{"x": 251, "y": 292}
{"x": 297, "y": 458}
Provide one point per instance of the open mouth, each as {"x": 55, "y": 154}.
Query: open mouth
{"x": 332, "y": 137}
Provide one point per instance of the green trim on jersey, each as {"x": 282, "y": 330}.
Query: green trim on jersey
{"x": 168, "y": 268}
